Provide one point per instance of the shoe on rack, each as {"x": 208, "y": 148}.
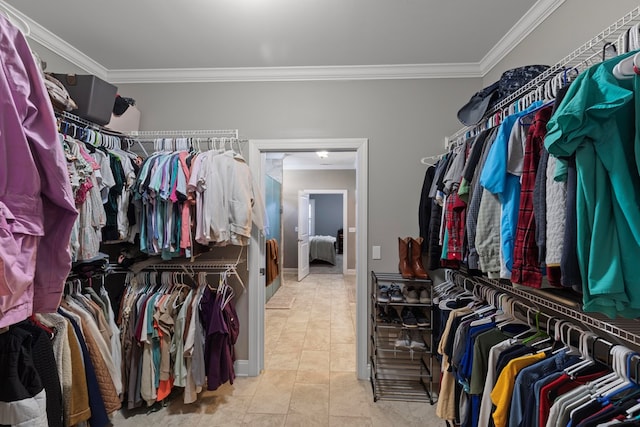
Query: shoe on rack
{"x": 403, "y": 340}
{"x": 395, "y": 293}
{"x": 425, "y": 298}
{"x": 422, "y": 319}
{"x": 393, "y": 316}
{"x": 416, "y": 342}
{"x": 411, "y": 295}
{"x": 383, "y": 293}
{"x": 408, "y": 318}
{"x": 382, "y": 315}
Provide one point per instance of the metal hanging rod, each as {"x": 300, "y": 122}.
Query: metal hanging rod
{"x": 626, "y": 330}
{"x": 224, "y": 133}
{"x": 91, "y": 125}
{"x": 210, "y": 266}
{"x": 579, "y": 59}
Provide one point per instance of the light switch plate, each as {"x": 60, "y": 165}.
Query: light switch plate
{"x": 375, "y": 252}
{"x": 352, "y": 229}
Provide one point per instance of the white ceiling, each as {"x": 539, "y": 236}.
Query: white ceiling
{"x": 310, "y": 160}
{"x": 149, "y": 40}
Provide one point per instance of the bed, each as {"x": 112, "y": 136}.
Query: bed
{"x": 322, "y": 248}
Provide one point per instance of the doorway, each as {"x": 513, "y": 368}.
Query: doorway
{"x": 257, "y": 156}
{"x": 327, "y": 220}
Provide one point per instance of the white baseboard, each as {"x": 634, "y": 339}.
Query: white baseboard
{"x": 290, "y": 270}
{"x": 351, "y": 271}
{"x": 241, "y": 367}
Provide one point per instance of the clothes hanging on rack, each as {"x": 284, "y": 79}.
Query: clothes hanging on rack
{"x": 175, "y": 335}
{"x": 36, "y": 204}
{"x": 71, "y": 353}
{"x": 273, "y": 267}
{"x": 552, "y": 223}
{"x": 608, "y": 233}
{"x": 218, "y": 185}
{"x": 513, "y": 379}
{"x": 101, "y": 180}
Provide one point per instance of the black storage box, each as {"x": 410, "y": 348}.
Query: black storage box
{"x": 94, "y": 96}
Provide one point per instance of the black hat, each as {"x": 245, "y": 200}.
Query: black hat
{"x": 474, "y": 110}
{"x": 510, "y": 81}
{"x": 121, "y": 104}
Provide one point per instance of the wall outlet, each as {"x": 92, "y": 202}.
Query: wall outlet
{"x": 375, "y": 252}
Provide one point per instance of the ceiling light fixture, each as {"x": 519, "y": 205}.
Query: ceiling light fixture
{"x": 322, "y": 154}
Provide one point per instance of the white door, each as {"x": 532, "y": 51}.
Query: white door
{"x": 303, "y": 235}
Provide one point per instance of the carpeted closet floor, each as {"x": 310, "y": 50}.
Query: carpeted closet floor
{"x": 309, "y": 378}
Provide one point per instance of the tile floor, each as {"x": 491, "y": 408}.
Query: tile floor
{"x": 309, "y": 378}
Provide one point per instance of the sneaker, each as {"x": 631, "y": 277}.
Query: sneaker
{"x": 393, "y": 316}
{"x": 411, "y": 295}
{"x": 416, "y": 342}
{"x": 383, "y": 293}
{"x": 408, "y": 318}
{"x": 395, "y": 293}
{"x": 403, "y": 340}
{"x": 425, "y": 298}
{"x": 422, "y": 319}
{"x": 382, "y": 316}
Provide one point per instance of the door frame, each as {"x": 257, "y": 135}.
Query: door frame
{"x": 258, "y": 147}
{"x": 345, "y": 225}
{"x": 303, "y": 262}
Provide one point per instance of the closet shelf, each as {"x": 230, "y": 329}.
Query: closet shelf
{"x": 627, "y": 331}
{"x": 585, "y": 54}
{"x": 216, "y": 133}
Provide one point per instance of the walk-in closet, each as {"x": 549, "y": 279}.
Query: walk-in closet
{"x": 285, "y": 213}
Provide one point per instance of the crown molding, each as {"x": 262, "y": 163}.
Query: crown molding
{"x": 46, "y": 38}
{"x": 525, "y": 25}
{"x": 530, "y": 20}
{"x": 271, "y": 74}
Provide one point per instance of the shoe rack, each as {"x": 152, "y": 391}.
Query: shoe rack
{"x": 401, "y": 346}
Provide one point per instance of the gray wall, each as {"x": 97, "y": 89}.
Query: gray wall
{"x": 295, "y": 180}
{"x": 403, "y": 119}
{"x": 570, "y": 26}
{"x": 328, "y": 214}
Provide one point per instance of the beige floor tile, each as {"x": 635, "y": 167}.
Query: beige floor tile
{"x": 290, "y": 341}
{"x": 273, "y": 393}
{"x": 177, "y": 420}
{"x": 348, "y": 396}
{"x": 245, "y": 386}
{"x": 343, "y": 357}
{"x": 310, "y": 399}
{"x": 311, "y": 360}
{"x": 302, "y": 420}
{"x": 224, "y": 404}
{"x": 318, "y": 325}
{"x": 264, "y": 420}
{"x": 314, "y": 341}
{"x": 350, "y": 422}
{"x": 312, "y": 377}
{"x": 288, "y": 361}
{"x": 342, "y": 335}
{"x": 204, "y": 422}
{"x": 294, "y": 327}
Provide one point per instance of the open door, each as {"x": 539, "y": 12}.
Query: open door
{"x": 303, "y": 235}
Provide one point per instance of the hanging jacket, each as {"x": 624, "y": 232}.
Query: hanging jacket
{"x": 34, "y": 253}
{"x": 22, "y": 395}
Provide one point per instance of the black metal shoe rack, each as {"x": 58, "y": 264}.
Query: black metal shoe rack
{"x": 400, "y": 372}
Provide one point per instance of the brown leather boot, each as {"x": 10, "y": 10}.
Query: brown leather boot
{"x": 416, "y": 259}
{"x": 405, "y": 257}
